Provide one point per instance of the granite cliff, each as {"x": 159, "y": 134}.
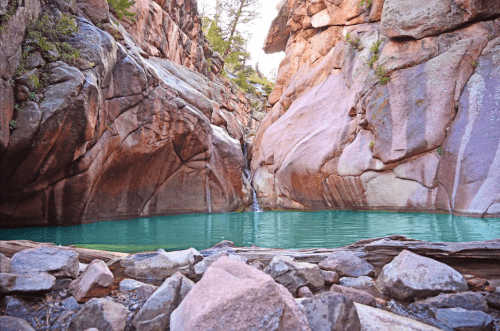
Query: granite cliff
{"x": 122, "y": 119}
{"x": 383, "y": 105}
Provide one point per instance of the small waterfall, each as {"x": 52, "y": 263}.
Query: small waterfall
{"x": 246, "y": 171}
{"x": 209, "y": 198}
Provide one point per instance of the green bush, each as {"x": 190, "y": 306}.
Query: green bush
{"x": 382, "y": 75}
{"x": 121, "y": 7}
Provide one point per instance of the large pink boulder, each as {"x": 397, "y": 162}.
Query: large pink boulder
{"x": 95, "y": 281}
{"x": 231, "y": 294}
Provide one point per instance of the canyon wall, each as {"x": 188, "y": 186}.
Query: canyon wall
{"x": 137, "y": 125}
{"x": 383, "y": 105}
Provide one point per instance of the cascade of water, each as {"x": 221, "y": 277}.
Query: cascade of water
{"x": 209, "y": 198}
{"x": 246, "y": 170}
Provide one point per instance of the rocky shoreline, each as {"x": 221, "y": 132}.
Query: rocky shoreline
{"x": 390, "y": 283}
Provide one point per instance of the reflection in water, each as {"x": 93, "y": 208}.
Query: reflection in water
{"x": 269, "y": 229}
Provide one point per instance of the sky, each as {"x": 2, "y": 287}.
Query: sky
{"x": 267, "y": 62}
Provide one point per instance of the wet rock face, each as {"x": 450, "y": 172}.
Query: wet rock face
{"x": 81, "y": 139}
{"x": 391, "y": 115}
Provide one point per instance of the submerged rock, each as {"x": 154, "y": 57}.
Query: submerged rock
{"x": 233, "y": 294}
{"x": 413, "y": 276}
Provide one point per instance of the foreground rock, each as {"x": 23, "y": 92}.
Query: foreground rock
{"x": 293, "y": 275}
{"x": 34, "y": 282}
{"x": 346, "y": 264}
{"x": 102, "y": 314}
{"x": 464, "y": 320}
{"x": 59, "y": 262}
{"x": 466, "y": 300}
{"x": 329, "y": 311}
{"x": 155, "y": 314}
{"x": 233, "y": 294}
{"x": 355, "y": 295}
{"x": 411, "y": 276}
{"x": 95, "y": 281}
{"x": 373, "y": 319}
{"x": 160, "y": 264}
{"x": 8, "y": 323}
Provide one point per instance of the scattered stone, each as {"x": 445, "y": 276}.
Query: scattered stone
{"x": 160, "y": 264}
{"x": 410, "y": 275}
{"x": 233, "y": 294}
{"x": 155, "y": 314}
{"x": 331, "y": 311}
{"x": 95, "y": 281}
{"x": 4, "y": 264}
{"x": 304, "y": 292}
{"x": 15, "y": 308}
{"x": 465, "y": 300}
{"x": 258, "y": 265}
{"x": 373, "y": 319}
{"x": 70, "y": 303}
{"x": 330, "y": 277}
{"x": 355, "y": 295}
{"x": 145, "y": 291}
{"x": 493, "y": 300}
{"x": 35, "y": 282}
{"x": 464, "y": 320}
{"x": 347, "y": 264}
{"x": 8, "y": 323}
{"x": 130, "y": 284}
{"x": 59, "y": 262}
{"x": 477, "y": 283}
{"x": 62, "y": 283}
{"x": 293, "y": 275}
{"x": 363, "y": 282}
{"x": 102, "y": 314}
{"x": 202, "y": 266}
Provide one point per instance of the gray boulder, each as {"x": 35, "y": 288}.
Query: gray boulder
{"x": 35, "y": 282}
{"x": 465, "y": 300}
{"x": 363, "y": 282}
{"x": 59, "y": 262}
{"x": 4, "y": 264}
{"x": 493, "y": 300}
{"x": 8, "y": 323}
{"x": 102, "y": 314}
{"x": 413, "y": 276}
{"x": 460, "y": 319}
{"x": 155, "y": 314}
{"x": 130, "y": 284}
{"x": 293, "y": 275}
{"x": 346, "y": 264}
{"x": 160, "y": 264}
{"x": 330, "y": 277}
{"x": 202, "y": 266}
{"x": 15, "y": 308}
{"x": 331, "y": 311}
{"x": 355, "y": 295}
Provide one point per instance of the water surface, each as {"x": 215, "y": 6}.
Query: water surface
{"x": 268, "y": 229}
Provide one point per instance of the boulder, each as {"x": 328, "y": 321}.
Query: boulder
{"x": 15, "y": 307}
{"x": 347, "y": 264}
{"x": 293, "y": 275}
{"x": 465, "y": 300}
{"x": 330, "y": 277}
{"x": 202, "y": 266}
{"x": 145, "y": 291}
{"x": 59, "y": 262}
{"x": 95, "y": 281}
{"x": 155, "y": 313}
{"x": 493, "y": 300}
{"x": 413, "y": 276}
{"x": 160, "y": 264}
{"x": 96, "y": 10}
{"x": 33, "y": 282}
{"x": 102, "y": 314}
{"x": 70, "y": 304}
{"x": 363, "y": 282}
{"x": 373, "y": 319}
{"x": 130, "y": 284}
{"x": 8, "y": 323}
{"x": 304, "y": 292}
{"x": 331, "y": 311}
{"x": 355, "y": 295}
{"x": 4, "y": 264}
{"x": 460, "y": 319}
{"x": 231, "y": 294}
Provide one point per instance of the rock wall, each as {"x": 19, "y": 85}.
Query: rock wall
{"x": 126, "y": 130}
{"x": 414, "y": 129}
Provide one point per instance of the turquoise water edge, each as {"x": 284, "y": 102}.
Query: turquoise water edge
{"x": 276, "y": 229}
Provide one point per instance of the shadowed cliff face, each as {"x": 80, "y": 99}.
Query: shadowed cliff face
{"x": 123, "y": 131}
{"x": 392, "y": 106}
